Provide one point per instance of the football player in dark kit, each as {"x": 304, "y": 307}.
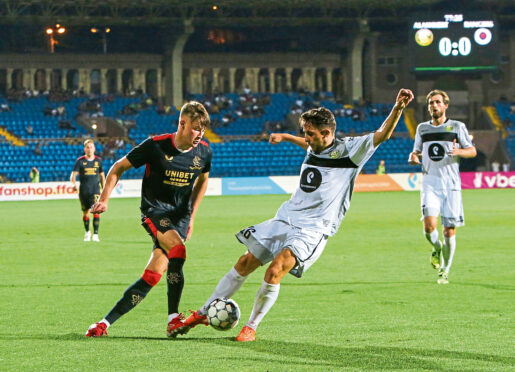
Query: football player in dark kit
{"x": 92, "y": 179}
{"x": 176, "y": 173}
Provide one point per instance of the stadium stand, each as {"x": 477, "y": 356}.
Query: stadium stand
{"x": 244, "y": 152}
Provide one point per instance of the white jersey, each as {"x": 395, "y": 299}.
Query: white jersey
{"x": 326, "y": 184}
{"x": 440, "y": 170}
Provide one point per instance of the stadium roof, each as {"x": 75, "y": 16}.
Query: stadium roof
{"x": 234, "y": 12}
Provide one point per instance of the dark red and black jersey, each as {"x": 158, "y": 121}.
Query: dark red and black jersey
{"x": 169, "y": 174}
{"x": 89, "y": 172}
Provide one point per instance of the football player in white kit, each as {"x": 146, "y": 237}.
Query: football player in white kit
{"x": 439, "y": 143}
{"x": 293, "y": 240}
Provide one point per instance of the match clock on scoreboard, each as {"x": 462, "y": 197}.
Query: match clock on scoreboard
{"x": 454, "y": 42}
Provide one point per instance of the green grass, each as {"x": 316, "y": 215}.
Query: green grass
{"x": 371, "y": 302}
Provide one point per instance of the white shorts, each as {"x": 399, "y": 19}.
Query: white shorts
{"x": 447, "y": 203}
{"x": 266, "y": 240}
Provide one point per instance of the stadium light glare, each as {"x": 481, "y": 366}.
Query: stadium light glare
{"x": 215, "y": 7}
{"x": 50, "y": 31}
{"x": 102, "y": 31}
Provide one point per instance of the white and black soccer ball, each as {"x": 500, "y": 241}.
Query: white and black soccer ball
{"x": 223, "y": 314}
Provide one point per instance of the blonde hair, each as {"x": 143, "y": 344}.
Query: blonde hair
{"x": 196, "y": 111}
{"x": 89, "y": 140}
{"x": 436, "y": 92}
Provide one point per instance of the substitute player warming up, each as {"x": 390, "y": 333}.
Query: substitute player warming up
{"x": 92, "y": 179}
{"x": 294, "y": 239}
{"x": 176, "y": 173}
{"x": 439, "y": 143}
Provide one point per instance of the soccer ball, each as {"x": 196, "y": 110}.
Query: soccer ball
{"x": 223, "y": 314}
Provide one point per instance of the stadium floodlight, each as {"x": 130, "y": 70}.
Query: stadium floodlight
{"x": 50, "y": 31}
{"x": 104, "y": 31}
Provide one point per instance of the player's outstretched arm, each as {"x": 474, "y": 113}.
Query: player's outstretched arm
{"x": 199, "y": 190}
{"x": 404, "y": 97}
{"x": 276, "y": 138}
{"x": 115, "y": 173}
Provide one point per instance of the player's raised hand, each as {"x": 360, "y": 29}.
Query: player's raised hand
{"x": 275, "y": 138}
{"x": 404, "y": 97}
{"x": 99, "y": 207}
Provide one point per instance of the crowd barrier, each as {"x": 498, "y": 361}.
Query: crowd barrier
{"x": 258, "y": 185}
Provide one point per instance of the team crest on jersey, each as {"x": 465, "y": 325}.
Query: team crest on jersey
{"x": 448, "y": 128}
{"x": 334, "y": 154}
{"x": 169, "y": 158}
{"x": 196, "y": 163}
{"x": 165, "y": 222}
{"x": 96, "y": 164}
{"x": 84, "y": 162}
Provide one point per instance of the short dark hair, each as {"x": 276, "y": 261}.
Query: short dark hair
{"x": 436, "y": 92}
{"x": 320, "y": 118}
{"x": 196, "y": 111}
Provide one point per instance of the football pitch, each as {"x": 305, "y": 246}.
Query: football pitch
{"x": 371, "y": 301}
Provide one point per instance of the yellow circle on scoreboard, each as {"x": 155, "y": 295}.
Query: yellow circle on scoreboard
{"x": 424, "y": 37}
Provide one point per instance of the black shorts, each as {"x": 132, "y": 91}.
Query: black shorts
{"x": 163, "y": 223}
{"x": 87, "y": 200}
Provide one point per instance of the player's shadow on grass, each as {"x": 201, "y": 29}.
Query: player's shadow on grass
{"x": 386, "y": 357}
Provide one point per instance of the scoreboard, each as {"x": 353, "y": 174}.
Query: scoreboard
{"x": 453, "y": 42}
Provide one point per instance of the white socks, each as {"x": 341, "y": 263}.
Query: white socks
{"x": 448, "y": 252}
{"x": 265, "y": 299}
{"x": 171, "y": 316}
{"x": 226, "y": 287}
{"x": 105, "y": 322}
{"x": 433, "y": 239}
